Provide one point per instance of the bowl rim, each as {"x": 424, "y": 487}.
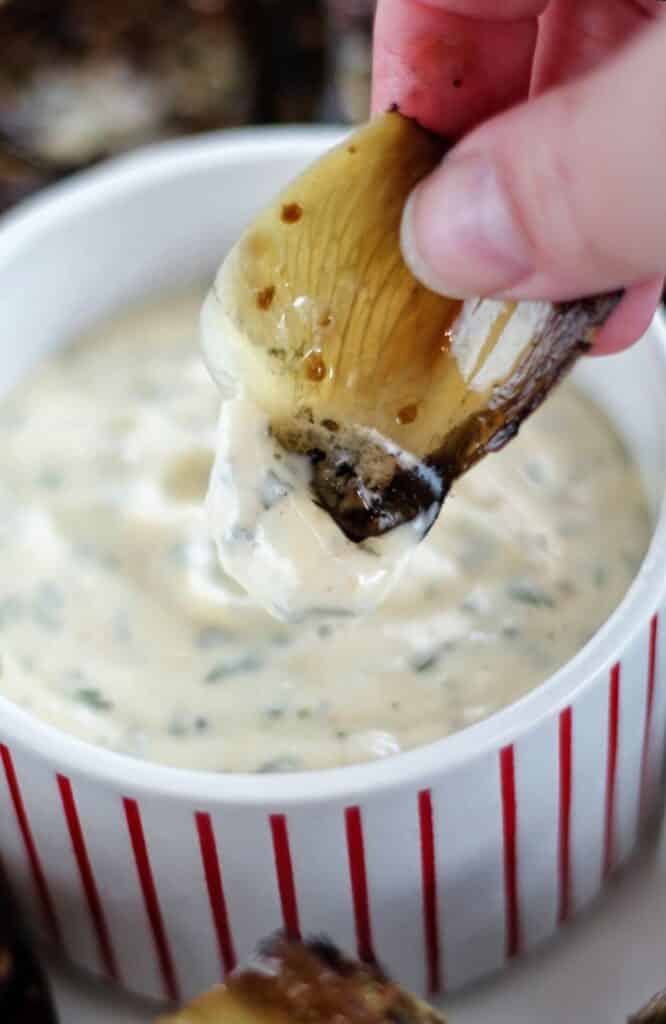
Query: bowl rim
{"x": 159, "y": 162}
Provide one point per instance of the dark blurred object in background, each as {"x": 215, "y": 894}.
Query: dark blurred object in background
{"x": 81, "y": 79}
{"x": 84, "y": 79}
{"x": 290, "y": 36}
{"x": 349, "y": 32}
{"x": 24, "y": 993}
{"x": 18, "y": 177}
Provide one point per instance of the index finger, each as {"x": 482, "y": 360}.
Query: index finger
{"x": 492, "y": 10}
{"x": 452, "y": 63}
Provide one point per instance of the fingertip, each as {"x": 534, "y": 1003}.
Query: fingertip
{"x": 631, "y": 319}
{"x": 435, "y": 64}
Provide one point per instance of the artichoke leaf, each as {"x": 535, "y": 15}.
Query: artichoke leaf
{"x": 319, "y": 321}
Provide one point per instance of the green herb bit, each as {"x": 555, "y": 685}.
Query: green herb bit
{"x": 178, "y": 554}
{"x": 331, "y": 613}
{"x": 528, "y": 592}
{"x": 50, "y": 478}
{"x": 95, "y": 556}
{"x": 284, "y": 763}
{"x": 177, "y": 728}
{"x": 600, "y": 576}
{"x": 224, "y": 670}
{"x": 632, "y": 561}
{"x": 47, "y": 605}
{"x": 535, "y": 472}
{"x": 49, "y": 593}
{"x": 212, "y": 636}
{"x": 179, "y": 725}
{"x": 93, "y": 698}
{"x": 11, "y": 610}
{"x": 241, "y": 534}
{"x": 425, "y": 662}
{"x": 75, "y": 675}
{"x": 273, "y": 489}
{"x": 478, "y": 549}
{"x": 275, "y": 712}
{"x": 314, "y": 614}
{"x": 147, "y": 389}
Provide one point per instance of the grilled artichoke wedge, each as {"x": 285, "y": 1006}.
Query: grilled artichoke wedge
{"x": 653, "y": 1013}
{"x": 316, "y": 319}
{"x": 24, "y": 992}
{"x": 292, "y": 982}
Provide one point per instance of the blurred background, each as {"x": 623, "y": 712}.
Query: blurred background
{"x": 81, "y": 80}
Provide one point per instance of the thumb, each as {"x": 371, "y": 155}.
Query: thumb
{"x": 560, "y": 197}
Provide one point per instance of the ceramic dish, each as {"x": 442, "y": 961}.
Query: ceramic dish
{"x": 444, "y": 862}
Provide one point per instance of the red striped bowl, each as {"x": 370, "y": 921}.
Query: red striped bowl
{"x": 445, "y": 863}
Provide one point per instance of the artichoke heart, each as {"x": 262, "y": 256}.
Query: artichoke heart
{"x": 291, "y": 982}
{"x": 352, "y": 395}
{"x": 316, "y": 318}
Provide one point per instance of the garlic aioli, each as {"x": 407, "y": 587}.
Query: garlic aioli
{"x": 118, "y": 625}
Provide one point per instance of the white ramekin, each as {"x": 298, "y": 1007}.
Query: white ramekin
{"x": 445, "y": 862}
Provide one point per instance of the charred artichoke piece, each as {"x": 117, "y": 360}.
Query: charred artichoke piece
{"x": 292, "y": 982}
{"x": 316, "y": 319}
{"x": 653, "y": 1013}
{"x": 24, "y": 993}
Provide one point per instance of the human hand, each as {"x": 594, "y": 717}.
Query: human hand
{"x": 559, "y": 195}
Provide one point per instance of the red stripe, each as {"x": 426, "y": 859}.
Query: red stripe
{"x": 564, "y": 864}
{"x": 652, "y": 675}
{"x": 611, "y": 769}
{"x": 429, "y": 875}
{"x": 359, "y": 883}
{"x": 510, "y": 822}
{"x": 218, "y": 903}
{"x": 285, "y": 875}
{"x": 38, "y": 876}
{"x": 150, "y": 898}
{"x": 87, "y": 877}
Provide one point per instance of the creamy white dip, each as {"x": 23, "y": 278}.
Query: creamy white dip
{"x": 117, "y": 624}
{"x": 275, "y": 541}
